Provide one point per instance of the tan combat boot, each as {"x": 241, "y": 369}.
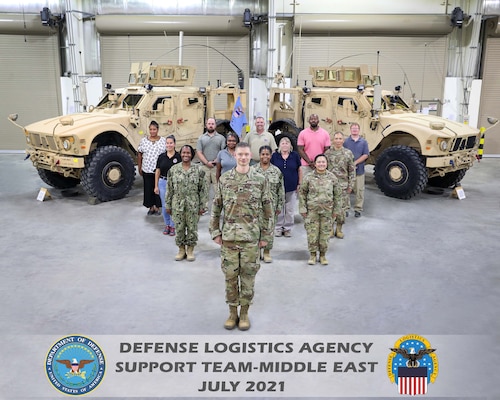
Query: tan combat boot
{"x": 232, "y": 320}
{"x": 322, "y": 259}
{"x": 267, "y": 256}
{"x": 332, "y": 233}
{"x": 181, "y": 254}
{"x": 190, "y": 253}
{"x": 338, "y": 231}
{"x": 244, "y": 323}
{"x": 312, "y": 258}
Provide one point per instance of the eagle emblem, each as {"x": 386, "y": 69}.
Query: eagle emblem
{"x": 75, "y": 367}
{"x": 411, "y": 356}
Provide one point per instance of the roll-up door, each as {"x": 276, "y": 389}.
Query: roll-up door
{"x": 416, "y": 63}
{"x": 30, "y": 82}
{"x": 490, "y": 96}
{"x": 118, "y": 52}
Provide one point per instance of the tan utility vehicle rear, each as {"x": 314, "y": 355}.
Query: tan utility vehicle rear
{"x": 98, "y": 148}
{"x": 409, "y": 150}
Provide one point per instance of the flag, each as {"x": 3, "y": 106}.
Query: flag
{"x": 238, "y": 118}
{"x": 412, "y": 381}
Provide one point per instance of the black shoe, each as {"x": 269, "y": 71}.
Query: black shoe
{"x": 346, "y": 214}
{"x": 357, "y": 214}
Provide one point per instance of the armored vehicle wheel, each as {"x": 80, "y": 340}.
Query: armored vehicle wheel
{"x": 109, "y": 173}
{"x": 286, "y": 127}
{"x": 400, "y": 173}
{"x": 57, "y": 180}
{"x": 293, "y": 139}
{"x": 223, "y": 126}
{"x": 449, "y": 180}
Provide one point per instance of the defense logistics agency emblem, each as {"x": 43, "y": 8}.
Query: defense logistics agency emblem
{"x": 412, "y": 364}
{"x": 75, "y": 365}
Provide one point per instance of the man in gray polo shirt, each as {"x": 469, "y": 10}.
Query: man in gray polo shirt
{"x": 208, "y": 146}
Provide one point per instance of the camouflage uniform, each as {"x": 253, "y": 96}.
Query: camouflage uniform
{"x": 341, "y": 163}
{"x": 277, "y": 187}
{"x": 245, "y": 202}
{"x": 187, "y": 194}
{"x": 320, "y": 197}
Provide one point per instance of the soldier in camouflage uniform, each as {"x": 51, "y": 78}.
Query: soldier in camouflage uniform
{"x": 277, "y": 187}
{"x": 341, "y": 163}
{"x": 244, "y": 200}
{"x": 187, "y": 195}
{"x": 320, "y": 197}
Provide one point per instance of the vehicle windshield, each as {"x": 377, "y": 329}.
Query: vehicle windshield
{"x": 132, "y": 100}
{"x": 109, "y": 100}
{"x": 391, "y": 102}
{"x": 394, "y": 101}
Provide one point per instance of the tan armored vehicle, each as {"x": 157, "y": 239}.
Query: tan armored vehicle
{"x": 98, "y": 148}
{"x": 409, "y": 150}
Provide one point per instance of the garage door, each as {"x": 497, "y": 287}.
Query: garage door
{"x": 416, "y": 63}
{"x": 118, "y": 52}
{"x": 30, "y": 84}
{"x": 490, "y": 96}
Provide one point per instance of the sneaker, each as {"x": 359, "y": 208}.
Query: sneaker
{"x": 172, "y": 231}
{"x": 287, "y": 233}
{"x": 357, "y": 214}
{"x": 151, "y": 212}
{"x": 166, "y": 231}
{"x": 279, "y": 233}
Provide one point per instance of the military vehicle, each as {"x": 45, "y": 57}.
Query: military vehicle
{"x": 408, "y": 149}
{"x": 98, "y": 148}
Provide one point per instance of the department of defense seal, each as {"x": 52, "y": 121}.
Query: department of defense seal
{"x": 75, "y": 365}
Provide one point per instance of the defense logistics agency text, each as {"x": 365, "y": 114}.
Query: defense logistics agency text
{"x": 240, "y": 367}
{"x": 244, "y": 347}
{"x": 287, "y": 351}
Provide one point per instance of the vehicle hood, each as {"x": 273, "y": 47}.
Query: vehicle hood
{"x": 451, "y": 129}
{"x": 87, "y": 120}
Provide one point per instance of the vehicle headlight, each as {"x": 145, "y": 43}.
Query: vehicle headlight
{"x": 67, "y": 142}
{"x": 443, "y": 144}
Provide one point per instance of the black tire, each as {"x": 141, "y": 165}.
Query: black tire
{"x": 449, "y": 180}
{"x": 109, "y": 173}
{"x": 57, "y": 180}
{"x": 223, "y": 126}
{"x": 293, "y": 139}
{"x": 400, "y": 173}
{"x": 287, "y": 128}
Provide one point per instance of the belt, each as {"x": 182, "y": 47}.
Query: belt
{"x": 163, "y": 177}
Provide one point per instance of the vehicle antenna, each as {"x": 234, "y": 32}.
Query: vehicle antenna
{"x": 405, "y": 76}
{"x": 423, "y": 75}
{"x": 378, "y": 58}
{"x": 241, "y": 78}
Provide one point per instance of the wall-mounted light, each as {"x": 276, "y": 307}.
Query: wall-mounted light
{"x": 49, "y": 19}
{"x": 247, "y": 18}
{"x": 45, "y": 16}
{"x": 457, "y": 17}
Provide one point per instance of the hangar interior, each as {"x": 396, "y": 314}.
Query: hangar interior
{"x": 423, "y": 265}
{"x": 81, "y": 45}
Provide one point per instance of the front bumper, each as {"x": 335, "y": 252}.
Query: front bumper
{"x": 453, "y": 162}
{"x": 53, "y": 161}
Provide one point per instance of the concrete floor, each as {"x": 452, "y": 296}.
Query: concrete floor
{"x": 425, "y": 266}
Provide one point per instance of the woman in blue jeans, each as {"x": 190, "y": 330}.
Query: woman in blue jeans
{"x": 165, "y": 162}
